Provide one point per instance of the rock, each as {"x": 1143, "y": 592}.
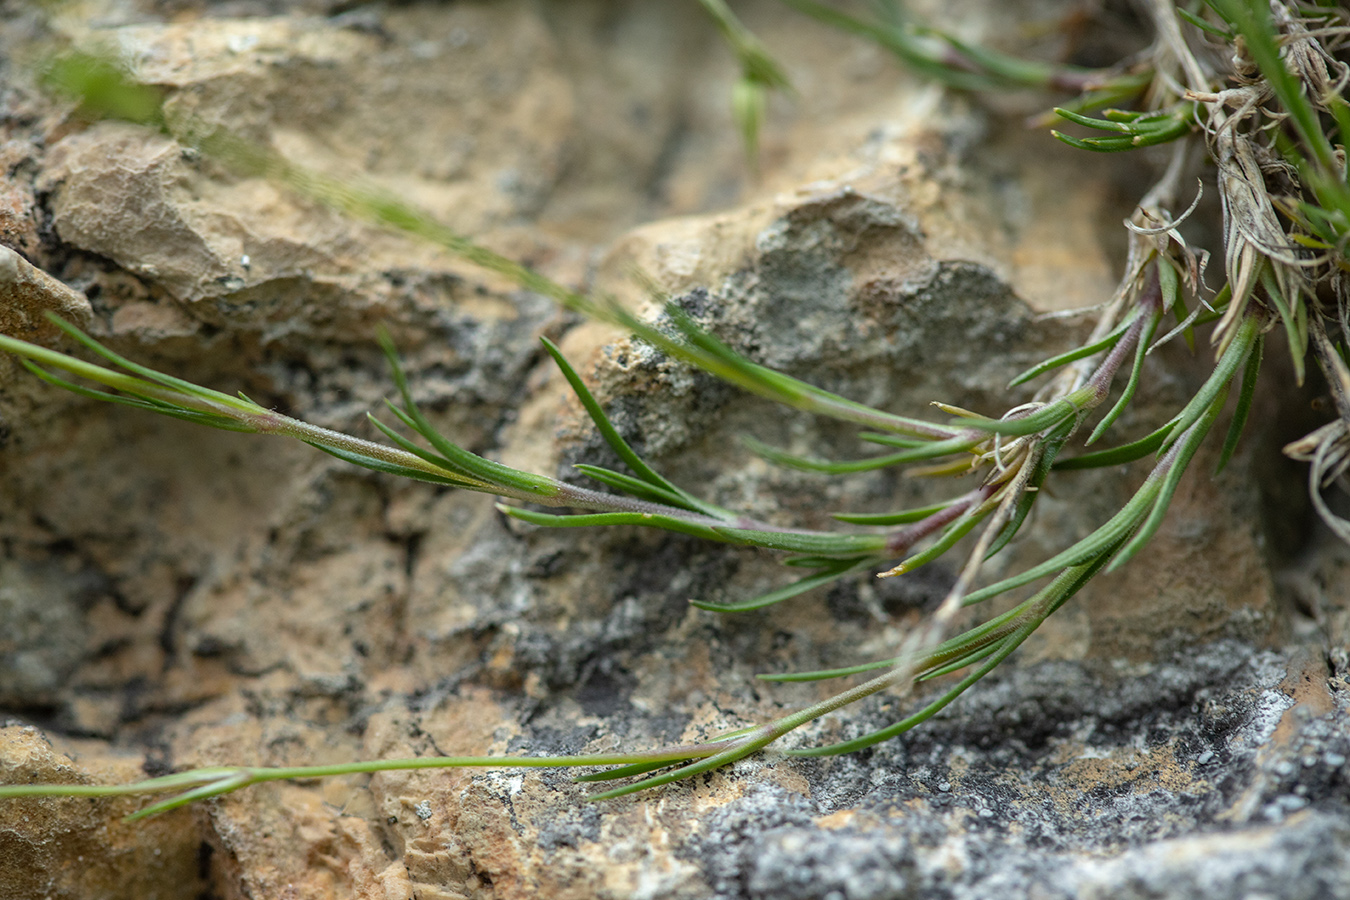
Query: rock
{"x": 30, "y": 294}
{"x": 46, "y": 633}
{"x": 1303, "y": 857}
{"x": 74, "y": 848}
{"x": 211, "y": 598}
{"x": 18, "y": 206}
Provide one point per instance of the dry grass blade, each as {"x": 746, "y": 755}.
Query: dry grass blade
{"x": 1327, "y": 450}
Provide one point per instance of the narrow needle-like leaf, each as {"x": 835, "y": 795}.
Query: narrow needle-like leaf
{"x": 1244, "y": 404}
{"x": 644, "y": 472}
{"x": 903, "y": 517}
{"x": 830, "y": 574}
{"x": 1074, "y": 355}
{"x": 1141, "y": 350}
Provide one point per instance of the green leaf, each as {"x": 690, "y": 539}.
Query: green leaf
{"x": 1133, "y": 130}
{"x": 1112, "y": 120}
{"x": 735, "y": 752}
{"x": 832, "y": 574}
{"x": 1047, "y": 416}
{"x": 474, "y": 465}
{"x": 825, "y": 674}
{"x": 924, "y": 56}
{"x": 1011, "y": 70}
{"x": 664, "y": 488}
{"x": 902, "y": 517}
{"x": 1074, "y": 355}
{"x": 1189, "y": 443}
{"x": 1049, "y": 452}
{"x": 756, "y": 63}
{"x": 104, "y": 89}
{"x": 1104, "y": 90}
{"x": 380, "y": 465}
{"x": 953, "y": 533}
{"x": 1136, "y": 371}
{"x": 943, "y": 57}
{"x": 929, "y": 450}
{"x": 1000, "y": 653}
{"x": 621, "y": 772}
{"x": 814, "y": 543}
{"x": 1222, "y": 34}
{"x": 588, "y": 520}
{"x": 635, "y": 486}
{"x": 982, "y": 635}
{"x": 959, "y": 663}
{"x": 212, "y": 420}
{"x": 891, "y": 440}
{"x": 1029, "y": 616}
{"x": 811, "y": 562}
{"x": 1244, "y": 404}
{"x": 1294, "y": 317}
{"x": 1118, "y": 456}
{"x": 1110, "y": 535}
{"x": 1224, "y": 369}
{"x": 1169, "y": 284}
{"x": 422, "y": 453}
{"x": 716, "y": 358}
{"x": 214, "y": 789}
{"x": 178, "y": 384}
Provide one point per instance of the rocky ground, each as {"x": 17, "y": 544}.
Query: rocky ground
{"x": 174, "y": 597}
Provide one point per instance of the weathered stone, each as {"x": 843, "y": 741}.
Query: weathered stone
{"x": 30, "y": 294}
{"x": 212, "y": 598}
{"x": 69, "y": 849}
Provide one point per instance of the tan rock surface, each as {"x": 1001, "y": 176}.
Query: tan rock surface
{"x": 206, "y": 598}
{"x": 68, "y": 849}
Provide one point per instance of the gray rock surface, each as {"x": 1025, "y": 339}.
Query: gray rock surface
{"x": 175, "y": 598}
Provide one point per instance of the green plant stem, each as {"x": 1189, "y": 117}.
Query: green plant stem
{"x": 214, "y": 781}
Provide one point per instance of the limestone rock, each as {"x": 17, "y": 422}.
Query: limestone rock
{"x": 69, "y": 849}
{"x": 199, "y": 598}
{"x": 30, "y": 295}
